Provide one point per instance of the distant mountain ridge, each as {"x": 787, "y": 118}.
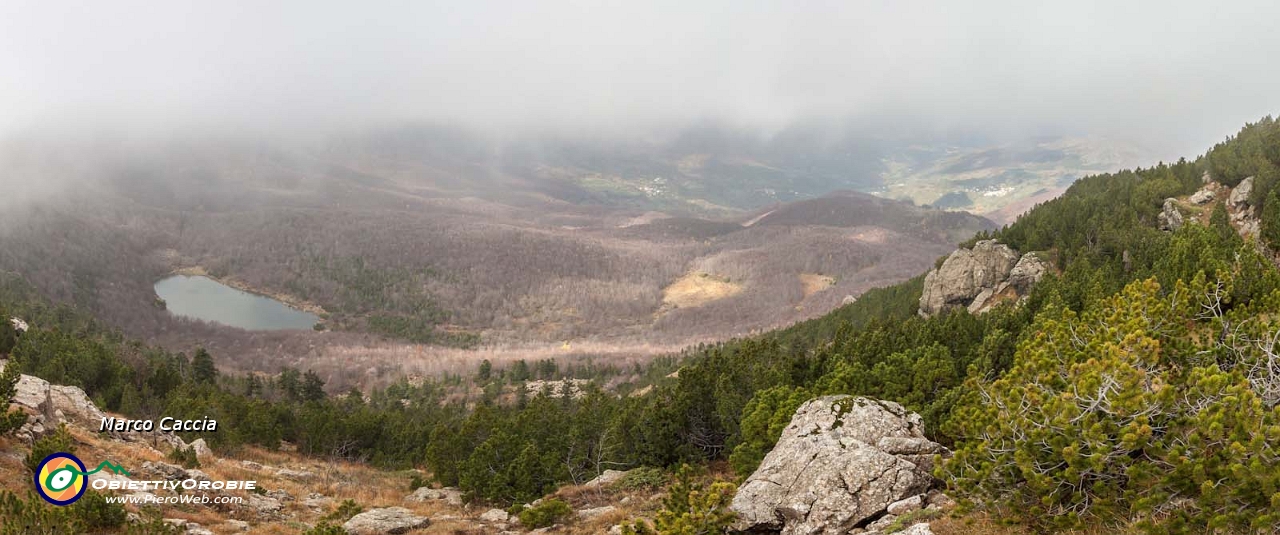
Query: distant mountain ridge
{"x": 852, "y": 209}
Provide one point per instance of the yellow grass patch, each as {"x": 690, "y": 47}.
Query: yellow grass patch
{"x": 697, "y": 289}
{"x": 814, "y": 283}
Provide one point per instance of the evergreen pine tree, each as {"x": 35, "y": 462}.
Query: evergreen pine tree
{"x": 8, "y": 335}
{"x": 203, "y": 371}
{"x": 1271, "y": 219}
{"x": 312, "y": 387}
{"x": 289, "y": 383}
{"x": 10, "y": 419}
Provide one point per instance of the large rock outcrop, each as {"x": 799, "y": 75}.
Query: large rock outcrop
{"x": 38, "y": 396}
{"x": 1239, "y": 197}
{"x": 839, "y": 465}
{"x": 1170, "y": 218}
{"x": 1244, "y": 216}
{"x": 980, "y": 277}
{"x": 51, "y": 405}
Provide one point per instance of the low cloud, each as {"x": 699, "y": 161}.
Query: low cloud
{"x": 1175, "y": 75}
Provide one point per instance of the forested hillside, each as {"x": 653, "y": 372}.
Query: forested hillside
{"x": 415, "y": 252}
{"x": 1135, "y": 388}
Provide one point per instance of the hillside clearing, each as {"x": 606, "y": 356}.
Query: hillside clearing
{"x": 697, "y": 289}
{"x": 814, "y": 283}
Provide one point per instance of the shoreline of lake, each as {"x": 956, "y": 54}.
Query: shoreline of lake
{"x": 291, "y": 301}
{"x": 203, "y": 298}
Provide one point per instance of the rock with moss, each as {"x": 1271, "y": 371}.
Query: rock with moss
{"x": 840, "y": 463}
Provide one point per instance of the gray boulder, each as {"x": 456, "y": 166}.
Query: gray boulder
{"x": 1243, "y": 215}
{"x": 1169, "y": 219}
{"x": 296, "y": 475}
{"x": 197, "y": 475}
{"x": 196, "y": 529}
{"x": 53, "y": 405}
{"x": 1203, "y": 197}
{"x": 587, "y": 514}
{"x": 280, "y": 495}
{"x": 840, "y": 463}
{"x": 389, "y": 521}
{"x": 1239, "y": 197}
{"x": 264, "y": 506}
{"x": 906, "y": 505}
{"x": 606, "y": 478}
{"x": 1250, "y": 227}
{"x": 979, "y": 278}
{"x": 450, "y": 496}
{"x": 317, "y": 501}
{"x": 965, "y": 274}
{"x": 1029, "y": 270}
{"x": 494, "y": 516}
{"x": 203, "y": 452}
{"x": 169, "y": 472}
{"x": 38, "y": 396}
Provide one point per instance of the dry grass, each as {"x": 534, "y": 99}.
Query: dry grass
{"x": 974, "y": 524}
{"x": 814, "y": 283}
{"x": 697, "y": 289}
{"x": 338, "y": 480}
{"x": 637, "y": 504}
{"x": 979, "y": 523}
{"x": 372, "y": 488}
{"x": 13, "y": 475}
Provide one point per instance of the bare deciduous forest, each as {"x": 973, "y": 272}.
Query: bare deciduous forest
{"x": 415, "y": 268}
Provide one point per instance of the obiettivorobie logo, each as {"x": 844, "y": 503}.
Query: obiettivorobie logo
{"x": 61, "y": 478}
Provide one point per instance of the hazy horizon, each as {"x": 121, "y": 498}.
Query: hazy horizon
{"x": 1175, "y": 77}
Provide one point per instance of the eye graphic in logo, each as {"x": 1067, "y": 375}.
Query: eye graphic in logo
{"x": 61, "y": 479}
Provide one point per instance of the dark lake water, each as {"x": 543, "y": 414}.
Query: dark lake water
{"x": 205, "y": 299}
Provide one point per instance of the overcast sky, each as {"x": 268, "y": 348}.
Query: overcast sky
{"x": 1175, "y": 75}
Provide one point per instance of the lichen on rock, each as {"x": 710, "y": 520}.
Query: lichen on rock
{"x": 830, "y": 472}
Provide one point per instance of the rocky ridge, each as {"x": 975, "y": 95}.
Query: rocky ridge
{"x": 1243, "y": 215}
